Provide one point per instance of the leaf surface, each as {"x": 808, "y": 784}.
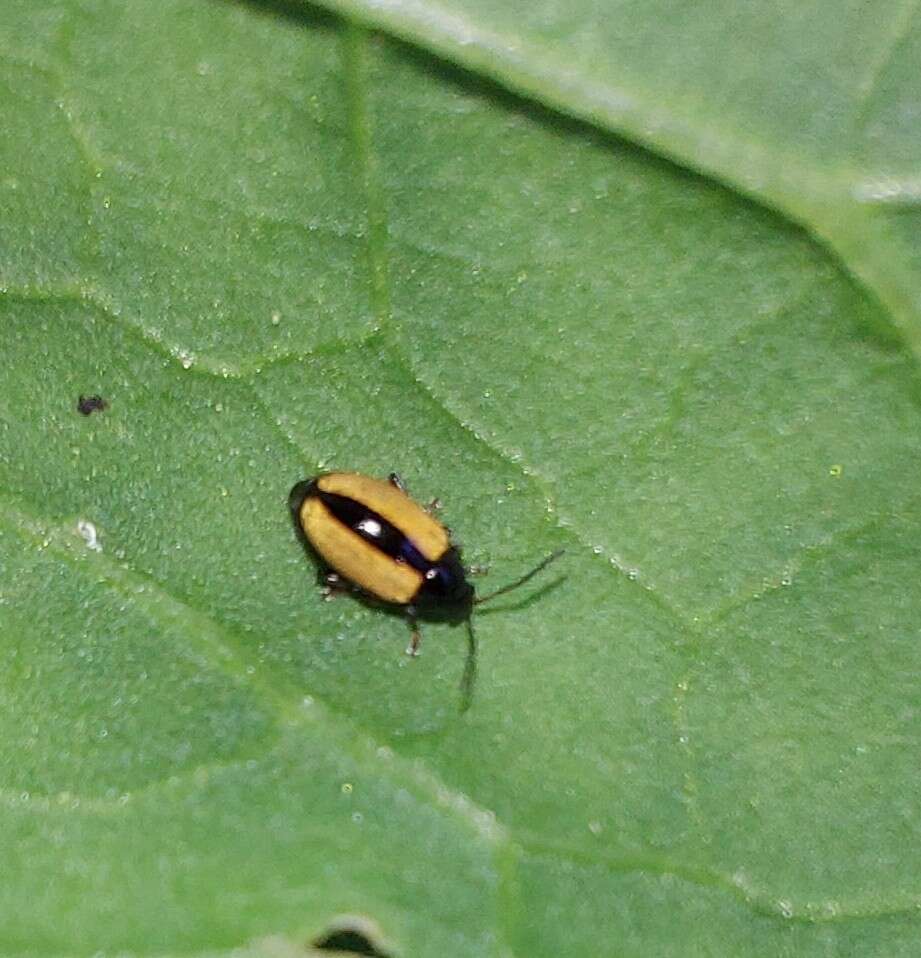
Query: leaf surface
{"x": 277, "y": 244}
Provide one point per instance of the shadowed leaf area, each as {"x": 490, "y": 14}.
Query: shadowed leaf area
{"x": 351, "y": 941}
{"x": 609, "y": 283}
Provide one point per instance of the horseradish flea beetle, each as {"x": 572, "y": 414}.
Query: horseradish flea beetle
{"x": 370, "y": 536}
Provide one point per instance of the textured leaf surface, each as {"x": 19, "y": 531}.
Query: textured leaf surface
{"x": 276, "y": 244}
{"x": 811, "y": 107}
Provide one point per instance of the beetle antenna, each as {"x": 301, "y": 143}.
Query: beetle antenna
{"x": 525, "y": 578}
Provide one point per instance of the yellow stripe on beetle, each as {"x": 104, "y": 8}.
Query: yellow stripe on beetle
{"x": 358, "y": 560}
{"x": 389, "y": 501}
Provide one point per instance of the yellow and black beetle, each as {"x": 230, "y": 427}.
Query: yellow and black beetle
{"x": 369, "y": 534}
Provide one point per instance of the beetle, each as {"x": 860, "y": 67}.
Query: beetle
{"x": 371, "y": 536}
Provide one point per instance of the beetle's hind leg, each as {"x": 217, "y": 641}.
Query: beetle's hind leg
{"x": 415, "y": 639}
{"x": 331, "y": 583}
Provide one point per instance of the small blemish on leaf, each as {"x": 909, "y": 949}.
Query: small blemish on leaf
{"x": 88, "y": 533}
{"x": 87, "y": 405}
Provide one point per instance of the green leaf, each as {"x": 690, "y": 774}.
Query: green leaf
{"x": 275, "y": 244}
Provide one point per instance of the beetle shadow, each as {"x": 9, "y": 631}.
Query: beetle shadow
{"x": 533, "y": 597}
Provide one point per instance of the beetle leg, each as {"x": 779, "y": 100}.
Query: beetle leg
{"x": 415, "y": 634}
{"x": 330, "y": 583}
{"x": 395, "y": 480}
{"x": 469, "y": 678}
{"x": 434, "y": 505}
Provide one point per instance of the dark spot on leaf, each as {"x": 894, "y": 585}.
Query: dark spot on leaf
{"x": 90, "y": 404}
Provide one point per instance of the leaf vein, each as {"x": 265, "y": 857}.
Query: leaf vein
{"x": 219, "y": 647}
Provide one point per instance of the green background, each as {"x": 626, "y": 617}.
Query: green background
{"x": 638, "y": 280}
